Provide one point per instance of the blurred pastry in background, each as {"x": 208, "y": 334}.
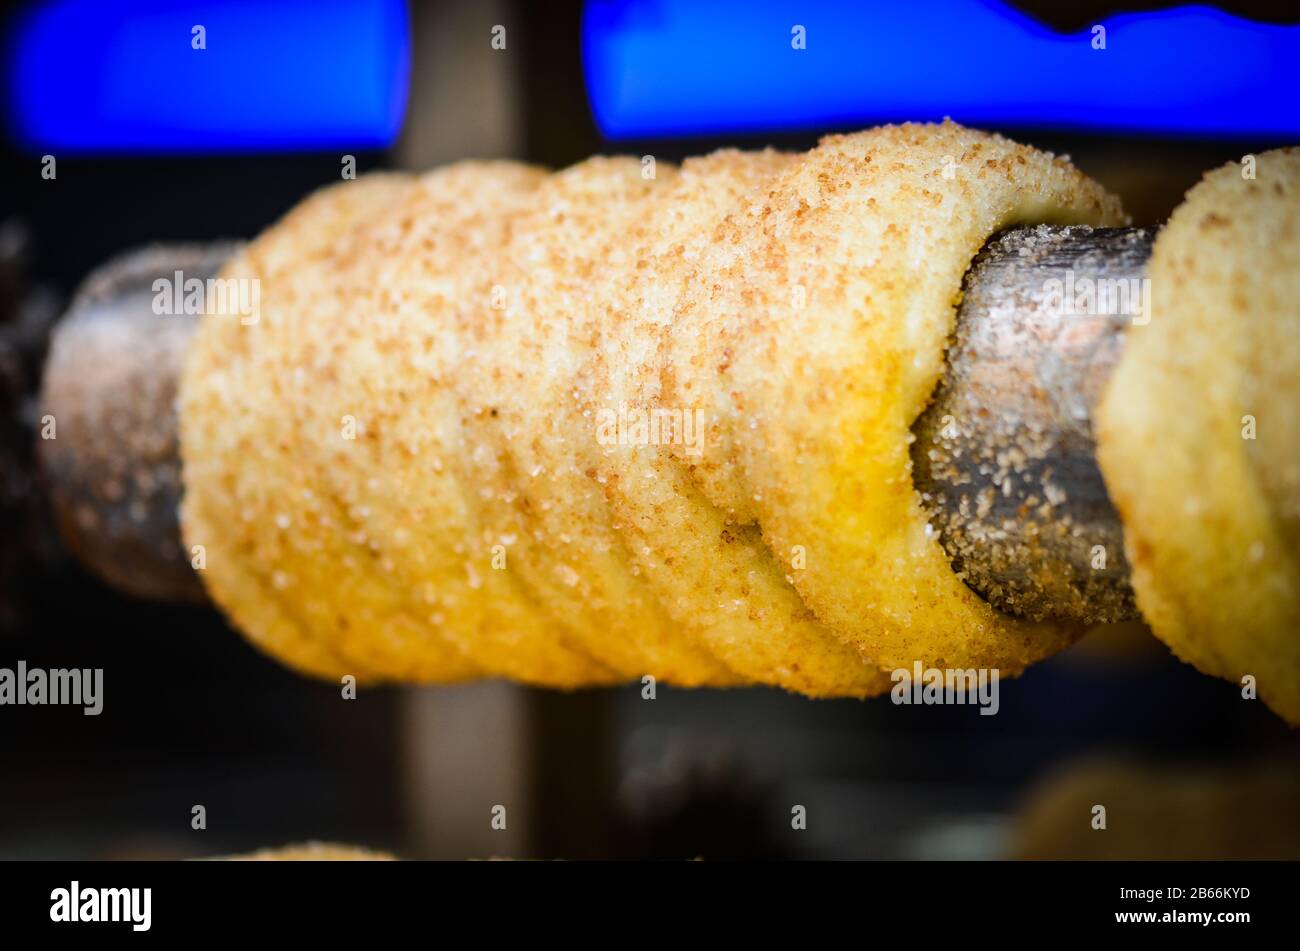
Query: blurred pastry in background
{"x": 1248, "y": 810}
{"x": 314, "y": 852}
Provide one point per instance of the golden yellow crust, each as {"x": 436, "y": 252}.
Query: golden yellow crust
{"x": 813, "y": 331}
{"x": 717, "y": 579}
{"x": 412, "y": 334}
{"x": 239, "y": 477}
{"x": 479, "y": 325}
{"x": 523, "y": 398}
{"x": 375, "y": 528}
{"x": 1212, "y": 517}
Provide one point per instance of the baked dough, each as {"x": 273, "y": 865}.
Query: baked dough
{"x": 240, "y": 475}
{"x": 1225, "y": 811}
{"x": 717, "y": 578}
{"x": 479, "y": 325}
{"x": 813, "y": 333}
{"x": 313, "y": 852}
{"x": 1211, "y": 517}
{"x": 530, "y": 437}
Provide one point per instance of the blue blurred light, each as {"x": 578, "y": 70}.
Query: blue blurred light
{"x": 121, "y": 75}
{"x": 687, "y": 67}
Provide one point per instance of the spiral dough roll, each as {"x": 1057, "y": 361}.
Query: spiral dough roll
{"x": 1199, "y": 434}
{"x": 617, "y": 421}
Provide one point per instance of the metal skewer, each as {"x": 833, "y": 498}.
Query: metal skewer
{"x": 1003, "y": 457}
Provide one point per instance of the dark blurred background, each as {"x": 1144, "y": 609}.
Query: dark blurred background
{"x": 194, "y": 716}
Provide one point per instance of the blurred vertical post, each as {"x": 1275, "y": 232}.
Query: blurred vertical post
{"x": 464, "y": 99}
{"x": 466, "y": 751}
